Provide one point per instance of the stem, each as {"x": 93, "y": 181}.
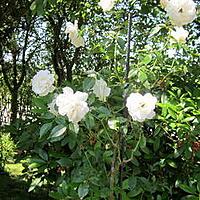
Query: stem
{"x": 112, "y": 176}
{"x": 127, "y": 67}
{"x": 104, "y": 127}
{"x": 121, "y": 134}
{"x": 134, "y": 150}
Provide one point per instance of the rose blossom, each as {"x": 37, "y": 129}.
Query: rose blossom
{"x": 42, "y": 83}
{"x": 72, "y": 104}
{"x": 141, "y": 107}
{"x": 75, "y": 38}
{"x": 101, "y": 90}
{"x": 181, "y": 12}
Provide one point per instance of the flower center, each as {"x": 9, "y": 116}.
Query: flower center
{"x": 180, "y": 10}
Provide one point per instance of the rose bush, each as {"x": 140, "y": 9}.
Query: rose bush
{"x": 140, "y": 141}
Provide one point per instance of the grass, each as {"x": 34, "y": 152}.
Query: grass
{"x": 13, "y": 187}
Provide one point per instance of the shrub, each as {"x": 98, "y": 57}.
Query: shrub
{"x": 7, "y": 149}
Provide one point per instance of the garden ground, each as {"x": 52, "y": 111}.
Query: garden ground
{"x": 13, "y": 187}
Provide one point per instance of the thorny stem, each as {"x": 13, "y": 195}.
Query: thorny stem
{"x": 112, "y": 176}
{"x": 169, "y": 73}
{"x": 121, "y": 134}
{"x": 127, "y": 67}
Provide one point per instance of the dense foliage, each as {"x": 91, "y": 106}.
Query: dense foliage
{"x": 106, "y": 153}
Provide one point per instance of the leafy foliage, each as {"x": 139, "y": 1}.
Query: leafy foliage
{"x": 7, "y": 149}
{"x": 157, "y": 159}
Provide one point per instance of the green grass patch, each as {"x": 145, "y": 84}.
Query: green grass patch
{"x": 14, "y": 187}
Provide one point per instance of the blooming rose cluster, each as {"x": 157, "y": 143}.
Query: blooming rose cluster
{"x": 73, "y": 105}
{"x": 141, "y": 107}
{"x": 181, "y": 12}
{"x": 42, "y": 83}
{"x": 75, "y": 38}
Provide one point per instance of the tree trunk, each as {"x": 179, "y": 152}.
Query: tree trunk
{"x": 14, "y": 105}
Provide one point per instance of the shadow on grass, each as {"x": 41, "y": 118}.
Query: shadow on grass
{"x": 13, "y": 188}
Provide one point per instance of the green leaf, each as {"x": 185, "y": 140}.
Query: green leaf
{"x": 164, "y": 99}
{"x": 88, "y": 83}
{"x": 121, "y": 42}
{"x": 83, "y": 190}
{"x": 65, "y": 188}
{"x": 103, "y": 112}
{"x": 104, "y": 193}
{"x": 172, "y": 163}
{"x": 60, "y": 120}
{"x": 125, "y": 185}
{"x": 198, "y": 187}
{"x": 89, "y": 121}
{"x": 45, "y": 128}
{"x": 156, "y": 144}
{"x": 39, "y": 102}
{"x": 40, "y": 7}
{"x": 142, "y": 142}
{"x": 147, "y": 59}
{"x": 142, "y": 76}
{"x": 132, "y": 73}
{"x": 35, "y": 162}
{"x": 187, "y": 189}
{"x": 58, "y": 131}
{"x": 34, "y": 183}
{"x": 132, "y": 181}
{"x": 135, "y": 192}
{"x": 33, "y": 6}
{"x": 188, "y": 119}
{"x": 172, "y": 113}
{"x": 47, "y": 115}
{"x": 64, "y": 162}
{"x": 156, "y": 29}
{"x": 56, "y": 195}
{"x": 107, "y": 155}
{"x": 43, "y": 154}
{"x": 190, "y": 197}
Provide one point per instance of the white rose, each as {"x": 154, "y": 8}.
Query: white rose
{"x": 141, "y": 107}
{"x": 75, "y": 38}
{"x": 181, "y": 12}
{"x": 101, "y": 90}
{"x": 72, "y": 28}
{"x": 107, "y": 5}
{"x": 180, "y": 34}
{"x": 72, "y": 104}
{"x": 42, "y": 83}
